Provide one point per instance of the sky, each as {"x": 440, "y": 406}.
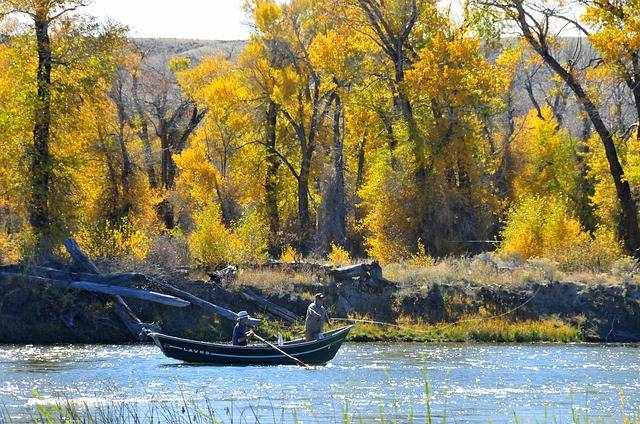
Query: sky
{"x": 199, "y": 19}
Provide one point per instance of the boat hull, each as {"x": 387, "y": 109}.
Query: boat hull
{"x": 316, "y": 352}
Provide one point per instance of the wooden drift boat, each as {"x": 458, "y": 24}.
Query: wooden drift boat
{"x": 315, "y": 352}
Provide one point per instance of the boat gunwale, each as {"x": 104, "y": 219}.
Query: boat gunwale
{"x": 329, "y": 336}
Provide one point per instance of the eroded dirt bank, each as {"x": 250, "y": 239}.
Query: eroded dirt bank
{"x": 604, "y": 311}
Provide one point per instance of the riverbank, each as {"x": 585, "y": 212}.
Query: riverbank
{"x": 472, "y": 329}
{"x": 466, "y": 299}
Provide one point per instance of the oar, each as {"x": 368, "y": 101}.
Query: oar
{"x": 299, "y": 362}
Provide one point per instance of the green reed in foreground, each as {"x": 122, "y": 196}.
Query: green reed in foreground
{"x": 235, "y": 412}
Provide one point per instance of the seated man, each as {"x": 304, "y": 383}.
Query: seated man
{"x": 316, "y": 317}
{"x": 240, "y": 331}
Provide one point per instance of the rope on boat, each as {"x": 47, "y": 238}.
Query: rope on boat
{"x": 451, "y": 324}
{"x": 271, "y": 345}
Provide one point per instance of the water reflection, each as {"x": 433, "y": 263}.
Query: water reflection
{"x": 468, "y": 382}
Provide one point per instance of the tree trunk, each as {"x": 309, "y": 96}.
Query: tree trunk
{"x": 332, "y": 216}
{"x": 304, "y": 214}
{"x": 271, "y": 181}
{"x": 143, "y": 133}
{"x": 586, "y": 213}
{"x": 165, "y": 209}
{"x": 111, "y": 206}
{"x": 41, "y": 162}
{"x": 416, "y": 138}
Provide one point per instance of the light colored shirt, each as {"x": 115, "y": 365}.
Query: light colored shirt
{"x": 316, "y": 317}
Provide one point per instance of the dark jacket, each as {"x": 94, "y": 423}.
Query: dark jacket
{"x": 239, "y": 335}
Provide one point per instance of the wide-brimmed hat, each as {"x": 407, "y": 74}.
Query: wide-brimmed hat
{"x": 242, "y": 315}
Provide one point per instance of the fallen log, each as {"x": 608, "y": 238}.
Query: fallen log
{"x": 120, "y": 279}
{"x": 270, "y": 307}
{"x": 201, "y": 303}
{"x": 126, "y": 315}
{"x": 369, "y": 270}
{"x": 99, "y": 288}
{"x": 80, "y": 258}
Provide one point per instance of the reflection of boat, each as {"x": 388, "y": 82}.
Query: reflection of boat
{"x": 314, "y": 352}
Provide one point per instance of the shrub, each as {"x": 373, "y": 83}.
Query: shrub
{"x": 389, "y": 198}
{"x": 209, "y": 243}
{"x": 338, "y": 255}
{"x": 108, "y": 240}
{"x": 10, "y": 251}
{"x": 289, "y": 255}
{"x": 543, "y": 227}
{"x": 421, "y": 258}
{"x": 250, "y": 239}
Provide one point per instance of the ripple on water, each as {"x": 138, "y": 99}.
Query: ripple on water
{"x": 475, "y": 382}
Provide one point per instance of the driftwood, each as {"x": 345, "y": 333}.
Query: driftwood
{"x": 120, "y": 279}
{"x": 85, "y": 264}
{"x": 80, "y": 258}
{"x": 201, "y": 303}
{"x": 130, "y": 320}
{"x": 148, "y": 296}
{"x": 225, "y": 274}
{"x": 370, "y": 270}
{"x": 270, "y": 307}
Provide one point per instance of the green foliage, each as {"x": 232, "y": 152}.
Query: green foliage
{"x": 469, "y": 329}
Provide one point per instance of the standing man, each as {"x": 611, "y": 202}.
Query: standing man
{"x": 316, "y": 317}
{"x": 239, "y": 337}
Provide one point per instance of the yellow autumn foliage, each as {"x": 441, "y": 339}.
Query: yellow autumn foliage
{"x": 289, "y": 255}
{"x": 544, "y": 156}
{"x": 388, "y": 198}
{"x": 543, "y": 227}
{"x": 338, "y": 255}
{"x": 211, "y": 243}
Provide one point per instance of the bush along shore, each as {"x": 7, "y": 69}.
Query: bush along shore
{"x": 479, "y": 299}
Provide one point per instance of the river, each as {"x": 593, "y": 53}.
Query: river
{"x": 468, "y": 383}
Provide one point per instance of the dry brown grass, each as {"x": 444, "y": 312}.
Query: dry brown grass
{"x": 489, "y": 269}
{"x": 277, "y": 281}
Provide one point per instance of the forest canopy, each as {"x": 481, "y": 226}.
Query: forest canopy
{"x": 344, "y": 128}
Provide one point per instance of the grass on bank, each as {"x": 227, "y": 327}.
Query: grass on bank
{"x": 492, "y": 269}
{"x": 469, "y": 329}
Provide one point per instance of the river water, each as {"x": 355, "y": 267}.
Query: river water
{"x": 467, "y": 383}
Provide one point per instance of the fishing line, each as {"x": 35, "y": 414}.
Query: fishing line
{"x": 451, "y": 324}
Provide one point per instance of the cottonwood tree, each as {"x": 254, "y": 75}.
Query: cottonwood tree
{"x": 43, "y": 14}
{"x": 63, "y": 42}
{"x": 160, "y": 105}
{"x": 302, "y": 95}
{"x": 540, "y": 24}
